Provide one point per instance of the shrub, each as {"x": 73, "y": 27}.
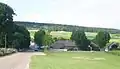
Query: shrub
{"x": 1, "y": 53}
{"x": 115, "y": 52}
{"x": 7, "y": 51}
{"x": 3, "y": 50}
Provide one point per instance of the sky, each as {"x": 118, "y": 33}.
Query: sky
{"x": 90, "y": 13}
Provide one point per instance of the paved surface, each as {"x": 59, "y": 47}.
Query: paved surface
{"x": 17, "y": 61}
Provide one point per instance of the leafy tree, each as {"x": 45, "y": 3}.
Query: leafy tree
{"x": 18, "y": 40}
{"x": 39, "y": 37}
{"x": 6, "y": 22}
{"x": 11, "y": 34}
{"x": 43, "y": 38}
{"x": 102, "y": 38}
{"x": 80, "y": 39}
{"x": 22, "y": 36}
{"x": 48, "y": 40}
{"x": 6, "y": 14}
{"x": 55, "y": 39}
{"x": 26, "y": 34}
{"x": 73, "y": 36}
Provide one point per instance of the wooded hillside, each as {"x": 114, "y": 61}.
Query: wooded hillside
{"x": 61, "y": 27}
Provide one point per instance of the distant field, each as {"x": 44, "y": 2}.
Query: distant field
{"x": 76, "y": 60}
{"x": 63, "y": 34}
{"x": 67, "y": 35}
{"x": 32, "y": 32}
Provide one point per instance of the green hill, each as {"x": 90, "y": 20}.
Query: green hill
{"x": 61, "y": 27}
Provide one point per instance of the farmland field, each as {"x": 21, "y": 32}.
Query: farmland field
{"x": 76, "y": 60}
{"x": 66, "y": 35}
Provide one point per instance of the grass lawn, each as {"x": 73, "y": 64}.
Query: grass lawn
{"x": 78, "y": 60}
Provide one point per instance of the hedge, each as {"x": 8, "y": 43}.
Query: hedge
{"x": 7, "y": 51}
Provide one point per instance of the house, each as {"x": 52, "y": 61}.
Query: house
{"x": 33, "y": 46}
{"x": 94, "y": 46}
{"x": 64, "y": 44}
{"x": 109, "y": 46}
{"x": 112, "y": 46}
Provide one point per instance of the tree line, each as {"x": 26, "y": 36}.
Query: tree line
{"x": 43, "y": 38}
{"x": 100, "y": 41}
{"x": 11, "y": 34}
{"x": 61, "y": 27}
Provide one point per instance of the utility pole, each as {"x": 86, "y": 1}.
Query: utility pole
{"x": 5, "y": 40}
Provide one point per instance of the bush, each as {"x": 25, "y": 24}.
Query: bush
{"x": 1, "y": 53}
{"x": 7, "y": 51}
{"x": 115, "y": 52}
{"x": 3, "y": 50}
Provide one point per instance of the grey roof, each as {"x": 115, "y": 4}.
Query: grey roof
{"x": 63, "y": 43}
{"x": 94, "y": 44}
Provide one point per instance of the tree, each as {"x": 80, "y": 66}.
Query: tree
{"x": 73, "y": 36}
{"x": 6, "y": 22}
{"x": 48, "y": 40}
{"x": 22, "y": 35}
{"x": 6, "y": 14}
{"x": 18, "y": 40}
{"x": 43, "y": 38}
{"x": 102, "y": 38}
{"x": 11, "y": 34}
{"x": 39, "y": 37}
{"x": 55, "y": 39}
{"x": 80, "y": 39}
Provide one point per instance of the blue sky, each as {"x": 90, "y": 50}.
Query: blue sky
{"x": 91, "y": 13}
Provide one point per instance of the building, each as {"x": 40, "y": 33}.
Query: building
{"x": 33, "y": 46}
{"x": 64, "y": 44}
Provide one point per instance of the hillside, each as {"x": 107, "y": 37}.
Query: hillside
{"x": 60, "y": 27}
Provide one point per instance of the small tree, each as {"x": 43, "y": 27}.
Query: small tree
{"x": 39, "y": 37}
{"x": 102, "y": 38}
{"x": 80, "y": 39}
{"x": 48, "y": 40}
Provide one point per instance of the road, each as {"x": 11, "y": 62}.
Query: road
{"x": 17, "y": 61}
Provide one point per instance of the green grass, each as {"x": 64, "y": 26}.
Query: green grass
{"x": 115, "y": 52}
{"x": 67, "y": 60}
